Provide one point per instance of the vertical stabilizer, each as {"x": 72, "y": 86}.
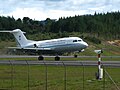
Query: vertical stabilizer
{"x": 20, "y": 37}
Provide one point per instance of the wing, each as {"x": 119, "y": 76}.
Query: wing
{"x": 19, "y": 48}
{"x": 35, "y": 50}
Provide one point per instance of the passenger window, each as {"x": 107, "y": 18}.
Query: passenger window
{"x": 74, "y": 40}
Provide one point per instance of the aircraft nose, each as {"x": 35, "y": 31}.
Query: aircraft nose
{"x": 85, "y": 44}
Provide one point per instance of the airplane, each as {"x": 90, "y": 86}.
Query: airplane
{"x": 57, "y": 46}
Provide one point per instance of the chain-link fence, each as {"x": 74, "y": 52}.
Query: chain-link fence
{"x": 56, "y": 75}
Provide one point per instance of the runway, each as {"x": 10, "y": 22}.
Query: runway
{"x": 66, "y": 63}
{"x": 35, "y": 56}
{"x": 60, "y": 63}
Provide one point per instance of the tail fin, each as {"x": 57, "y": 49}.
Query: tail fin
{"x": 19, "y": 36}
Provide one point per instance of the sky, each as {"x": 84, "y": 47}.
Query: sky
{"x": 54, "y": 9}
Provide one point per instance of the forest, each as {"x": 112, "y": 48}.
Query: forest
{"x": 105, "y": 26}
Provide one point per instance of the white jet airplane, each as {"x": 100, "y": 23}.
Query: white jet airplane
{"x": 56, "y": 46}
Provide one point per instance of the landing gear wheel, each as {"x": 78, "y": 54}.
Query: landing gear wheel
{"x": 75, "y": 56}
{"x": 40, "y": 58}
{"x": 57, "y": 58}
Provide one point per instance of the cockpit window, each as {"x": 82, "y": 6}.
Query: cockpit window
{"x": 79, "y": 40}
{"x": 74, "y": 40}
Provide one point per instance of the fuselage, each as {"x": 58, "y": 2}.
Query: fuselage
{"x": 68, "y": 44}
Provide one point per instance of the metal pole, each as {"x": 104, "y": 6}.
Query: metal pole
{"x": 45, "y": 74}
{"x": 99, "y": 65}
{"x": 99, "y": 61}
{"x": 83, "y": 75}
{"x": 28, "y": 75}
{"x": 64, "y": 76}
{"x": 11, "y": 75}
{"x": 99, "y": 74}
{"x": 104, "y": 78}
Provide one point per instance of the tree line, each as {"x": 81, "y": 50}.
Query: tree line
{"x": 99, "y": 25}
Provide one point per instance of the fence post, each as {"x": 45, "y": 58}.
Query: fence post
{"x": 64, "y": 76}
{"x": 83, "y": 74}
{"x": 45, "y": 74}
{"x": 103, "y": 78}
{"x": 28, "y": 75}
{"x": 11, "y": 75}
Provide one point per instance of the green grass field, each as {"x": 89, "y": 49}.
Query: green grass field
{"x": 38, "y": 77}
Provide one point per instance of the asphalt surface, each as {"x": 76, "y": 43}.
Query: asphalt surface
{"x": 61, "y": 63}
{"x": 35, "y": 56}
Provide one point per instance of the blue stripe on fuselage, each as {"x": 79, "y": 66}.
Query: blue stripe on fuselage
{"x": 66, "y": 47}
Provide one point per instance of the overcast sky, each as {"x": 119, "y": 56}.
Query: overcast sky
{"x": 54, "y": 9}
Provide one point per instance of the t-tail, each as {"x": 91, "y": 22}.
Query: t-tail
{"x": 20, "y": 37}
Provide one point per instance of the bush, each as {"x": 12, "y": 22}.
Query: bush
{"x": 94, "y": 40}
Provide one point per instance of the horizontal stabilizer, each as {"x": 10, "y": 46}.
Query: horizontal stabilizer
{"x": 14, "y": 47}
{"x": 7, "y": 31}
{"x": 11, "y": 31}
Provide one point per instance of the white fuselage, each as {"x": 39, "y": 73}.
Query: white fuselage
{"x": 68, "y": 44}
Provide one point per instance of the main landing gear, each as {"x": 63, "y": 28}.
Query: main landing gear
{"x": 57, "y": 58}
{"x": 75, "y": 56}
{"x": 40, "y": 58}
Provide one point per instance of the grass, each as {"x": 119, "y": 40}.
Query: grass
{"x": 33, "y": 77}
{"x": 108, "y": 50}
